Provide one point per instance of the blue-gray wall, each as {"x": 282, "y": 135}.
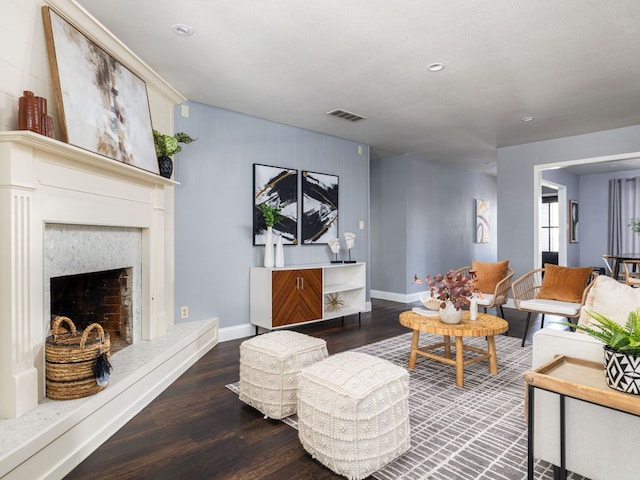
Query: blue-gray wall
{"x": 423, "y": 220}
{"x": 516, "y": 194}
{"x": 213, "y": 204}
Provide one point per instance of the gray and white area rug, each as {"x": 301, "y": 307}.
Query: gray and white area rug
{"x": 477, "y": 432}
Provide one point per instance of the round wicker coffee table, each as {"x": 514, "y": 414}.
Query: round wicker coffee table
{"x": 484, "y": 326}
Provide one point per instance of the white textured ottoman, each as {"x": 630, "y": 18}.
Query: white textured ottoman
{"x": 269, "y": 368}
{"x": 353, "y": 413}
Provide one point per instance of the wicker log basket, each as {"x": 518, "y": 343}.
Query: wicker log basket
{"x": 70, "y": 358}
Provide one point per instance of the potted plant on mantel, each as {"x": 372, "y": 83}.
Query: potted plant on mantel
{"x": 452, "y": 290}
{"x": 621, "y": 349}
{"x": 167, "y": 145}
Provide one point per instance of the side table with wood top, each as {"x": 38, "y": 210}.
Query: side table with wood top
{"x": 574, "y": 378}
{"x": 484, "y": 326}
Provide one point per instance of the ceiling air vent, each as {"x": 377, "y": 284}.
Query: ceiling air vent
{"x": 352, "y": 117}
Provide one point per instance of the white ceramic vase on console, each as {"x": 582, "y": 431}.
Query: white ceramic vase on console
{"x": 268, "y": 248}
{"x": 279, "y": 252}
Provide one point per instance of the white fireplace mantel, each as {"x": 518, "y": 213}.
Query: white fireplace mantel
{"x": 46, "y": 181}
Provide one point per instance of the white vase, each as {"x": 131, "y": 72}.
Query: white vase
{"x": 279, "y": 252}
{"x": 449, "y": 314}
{"x": 473, "y": 307}
{"x": 268, "y": 248}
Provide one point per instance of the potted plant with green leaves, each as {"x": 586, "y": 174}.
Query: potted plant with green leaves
{"x": 621, "y": 349}
{"x": 167, "y": 145}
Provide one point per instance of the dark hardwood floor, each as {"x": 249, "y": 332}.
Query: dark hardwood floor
{"x": 198, "y": 429}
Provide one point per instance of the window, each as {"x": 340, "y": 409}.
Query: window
{"x": 549, "y": 224}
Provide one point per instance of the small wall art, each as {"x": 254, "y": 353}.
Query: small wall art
{"x": 102, "y": 106}
{"x": 574, "y": 224}
{"x": 319, "y": 207}
{"x": 275, "y": 186}
{"x": 482, "y": 221}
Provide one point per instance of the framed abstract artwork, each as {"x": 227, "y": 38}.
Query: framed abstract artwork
{"x": 319, "y": 207}
{"x": 482, "y": 221}
{"x": 102, "y": 106}
{"x": 275, "y": 186}
{"x": 574, "y": 224}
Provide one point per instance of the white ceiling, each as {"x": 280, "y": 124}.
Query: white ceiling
{"x": 574, "y": 65}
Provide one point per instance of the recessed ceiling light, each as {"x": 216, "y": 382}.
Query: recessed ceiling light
{"x": 436, "y": 67}
{"x": 182, "y": 29}
{"x": 527, "y": 119}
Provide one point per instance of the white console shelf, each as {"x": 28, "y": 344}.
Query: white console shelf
{"x": 301, "y": 293}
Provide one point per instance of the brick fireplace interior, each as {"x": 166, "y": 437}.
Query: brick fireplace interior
{"x": 103, "y": 297}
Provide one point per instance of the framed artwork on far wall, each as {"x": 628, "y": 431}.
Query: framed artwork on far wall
{"x": 574, "y": 223}
{"x": 319, "y": 208}
{"x": 275, "y": 186}
{"x": 103, "y": 107}
{"x": 482, "y": 221}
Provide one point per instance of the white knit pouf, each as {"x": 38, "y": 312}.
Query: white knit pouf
{"x": 269, "y": 368}
{"x": 353, "y": 413}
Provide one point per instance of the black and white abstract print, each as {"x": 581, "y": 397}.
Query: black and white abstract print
{"x": 319, "y": 207}
{"x": 275, "y": 186}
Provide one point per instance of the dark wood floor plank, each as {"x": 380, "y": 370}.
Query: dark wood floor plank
{"x": 198, "y": 429}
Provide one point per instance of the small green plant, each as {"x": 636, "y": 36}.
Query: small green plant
{"x": 167, "y": 145}
{"x": 623, "y": 339}
{"x": 271, "y": 214}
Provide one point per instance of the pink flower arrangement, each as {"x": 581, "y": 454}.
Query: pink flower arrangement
{"x": 456, "y": 288}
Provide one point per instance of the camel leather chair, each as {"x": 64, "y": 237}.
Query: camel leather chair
{"x": 498, "y": 297}
{"x": 525, "y": 292}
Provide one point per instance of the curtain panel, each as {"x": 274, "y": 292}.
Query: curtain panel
{"x": 624, "y": 205}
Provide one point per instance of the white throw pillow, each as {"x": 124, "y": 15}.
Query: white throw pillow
{"x": 610, "y": 298}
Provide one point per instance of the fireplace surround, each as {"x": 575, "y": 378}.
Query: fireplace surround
{"x": 65, "y": 211}
{"x": 57, "y": 198}
{"x": 92, "y": 275}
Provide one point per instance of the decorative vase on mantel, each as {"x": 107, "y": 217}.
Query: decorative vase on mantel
{"x": 268, "y": 248}
{"x": 449, "y": 314}
{"x": 165, "y": 164}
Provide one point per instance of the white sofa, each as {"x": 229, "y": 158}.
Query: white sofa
{"x": 601, "y": 444}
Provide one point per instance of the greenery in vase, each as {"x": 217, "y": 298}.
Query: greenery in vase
{"x": 456, "y": 288}
{"x": 271, "y": 214}
{"x": 167, "y": 145}
{"x": 619, "y": 338}
{"x": 634, "y": 223}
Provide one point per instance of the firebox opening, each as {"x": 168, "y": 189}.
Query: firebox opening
{"x": 98, "y": 297}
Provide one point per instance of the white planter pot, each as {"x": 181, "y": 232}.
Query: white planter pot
{"x": 450, "y": 315}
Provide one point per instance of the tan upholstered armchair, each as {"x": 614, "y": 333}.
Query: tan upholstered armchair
{"x": 554, "y": 299}
{"x": 498, "y": 297}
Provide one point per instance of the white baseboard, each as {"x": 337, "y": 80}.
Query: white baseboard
{"x": 413, "y": 297}
{"x": 67, "y": 432}
{"x": 397, "y": 297}
{"x": 237, "y": 331}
